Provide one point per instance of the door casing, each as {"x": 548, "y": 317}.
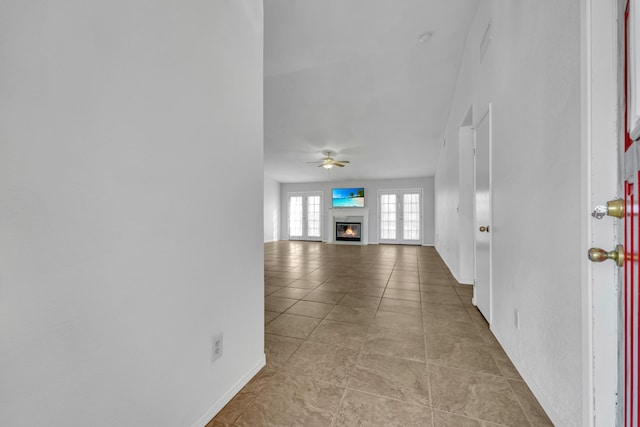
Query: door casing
{"x": 600, "y": 87}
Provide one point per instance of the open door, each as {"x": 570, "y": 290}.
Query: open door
{"x": 631, "y": 288}
{"x": 482, "y": 283}
{"x": 614, "y": 288}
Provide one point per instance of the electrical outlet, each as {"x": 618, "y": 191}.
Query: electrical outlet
{"x": 516, "y": 319}
{"x": 217, "y": 346}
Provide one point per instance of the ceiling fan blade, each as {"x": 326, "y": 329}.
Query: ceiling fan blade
{"x": 316, "y": 162}
{"x": 338, "y": 164}
{"x": 321, "y": 166}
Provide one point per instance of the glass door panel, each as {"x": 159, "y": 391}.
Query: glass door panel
{"x": 313, "y": 217}
{"x": 411, "y": 216}
{"x": 388, "y": 217}
{"x": 295, "y": 217}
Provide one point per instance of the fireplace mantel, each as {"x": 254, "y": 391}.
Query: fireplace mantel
{"x": 348, "y": 215}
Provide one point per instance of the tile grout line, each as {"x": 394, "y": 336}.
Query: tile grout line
{"x": 526, "y": 413}
{"x": 426, "y": 356}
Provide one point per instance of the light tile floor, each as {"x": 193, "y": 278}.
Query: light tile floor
{"x": 376, "y": 336}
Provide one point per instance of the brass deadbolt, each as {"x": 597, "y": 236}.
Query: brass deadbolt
{"x": 484, "y": 229}
{"x": 615, "y": 208}
{"x": 599, "y": 255}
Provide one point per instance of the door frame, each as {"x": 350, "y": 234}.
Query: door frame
{"x": 600, "y": 90}
{"x": 466, "y": 199}
{"x": 399, "y": 193}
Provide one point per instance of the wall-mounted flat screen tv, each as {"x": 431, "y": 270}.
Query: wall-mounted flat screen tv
{"x": 347, "y": 197}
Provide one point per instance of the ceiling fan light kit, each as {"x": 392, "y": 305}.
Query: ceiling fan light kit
{"x": 329, "y": 162}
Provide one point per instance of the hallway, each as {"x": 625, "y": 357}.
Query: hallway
{"x": 375, "y": 335}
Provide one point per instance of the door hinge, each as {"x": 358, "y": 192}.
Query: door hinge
{"x": 474, "y": 152}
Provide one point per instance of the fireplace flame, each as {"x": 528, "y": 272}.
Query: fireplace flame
{"x": 349, "y": 232}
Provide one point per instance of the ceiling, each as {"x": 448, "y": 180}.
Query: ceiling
{"x": 352, "y": 76}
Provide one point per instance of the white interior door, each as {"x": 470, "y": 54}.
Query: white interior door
{"x": 305, "y": 216}
{"x": 400, "y": 217}
{"x": 482, "y": 285}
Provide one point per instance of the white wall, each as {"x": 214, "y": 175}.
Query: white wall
{"x": 271, "y": 209}
{"x": 531, "y": 75}
{"x": 371, "y": 195}
{"x": 118, "y": 264}
{"x": 470, "y": 102}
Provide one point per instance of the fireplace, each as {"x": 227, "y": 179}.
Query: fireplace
{"x": 360, "y": 216}
{"x": 348, "y": 231}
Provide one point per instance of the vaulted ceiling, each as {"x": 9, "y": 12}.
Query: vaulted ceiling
{"x": 355, "y": 77}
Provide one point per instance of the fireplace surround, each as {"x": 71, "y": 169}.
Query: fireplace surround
{"x": 359, "y": 215}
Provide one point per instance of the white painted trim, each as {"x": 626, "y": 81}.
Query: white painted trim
{"x": 531, "y": 383}
{"x": 448, "y": 266}
{"x": 229, "y": 394}
{"x": 599, "y": 160}
{"x": 466, "y": 237}
{"x": 587, "y": 303}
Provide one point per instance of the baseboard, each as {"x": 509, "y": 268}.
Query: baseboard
{"x": 544, "y": 400}
{"x": 229, "y": 394}
{"x": 446, "y": 263}
{"x": 458, "y": 279}
{"x": 428, "y": 244}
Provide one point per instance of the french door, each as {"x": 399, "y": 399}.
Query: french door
{"x": 305, "y": 216}
{"x": 400, "y": 217}
{"x": 625, "y": 232}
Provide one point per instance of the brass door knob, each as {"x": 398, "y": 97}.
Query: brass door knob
{"x": 484, "y": 229}
{"x": 599, "y": 255}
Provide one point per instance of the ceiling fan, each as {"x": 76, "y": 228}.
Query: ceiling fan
{"x": 328, "y": 162}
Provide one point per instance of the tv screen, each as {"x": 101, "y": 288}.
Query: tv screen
{"x": 348, "y": 197}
